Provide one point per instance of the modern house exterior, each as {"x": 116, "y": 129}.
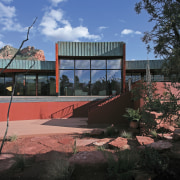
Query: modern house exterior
{"x": 83, "y": 74}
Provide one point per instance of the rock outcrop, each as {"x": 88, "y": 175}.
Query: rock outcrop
{"x": 28, "y": 53}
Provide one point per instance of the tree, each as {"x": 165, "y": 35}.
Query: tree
{"x": 166, "y": 31}
{"x": 12, "y": 94}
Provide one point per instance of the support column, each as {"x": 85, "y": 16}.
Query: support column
{"x": 57, "y": 71}
{"x": 124, "y": 69}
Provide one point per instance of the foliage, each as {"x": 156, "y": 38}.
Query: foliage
{"x": 13, "y": 138}
{"x": 59, "y": 169}
{"x": 124, "y": 166}
{"x": 127, "y": 135}
{"x": 74, "y": 147}
{"x": 151, "y": 160}
{"x": 111, "y": 131}
{"x": 20, "y": 162}
{"x": 165, "y": 34}
{"x": 100, "y": 148}
{"x": 132, "y": 114}
{"x": 154, "y": 133}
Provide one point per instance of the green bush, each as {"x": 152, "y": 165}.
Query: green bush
{"x": 124, "y": 166}
{"x": 132, "y": 114}
{"x": 127, "y": 135}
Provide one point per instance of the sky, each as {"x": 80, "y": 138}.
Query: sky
{"x": 74, "y": 20}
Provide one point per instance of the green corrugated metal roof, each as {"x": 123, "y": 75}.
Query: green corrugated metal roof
{"x": 26, "y": 64}
{"x": 50, "y": 65}
{"x": 135, "y": 65}
{"x": 88, "y": 49}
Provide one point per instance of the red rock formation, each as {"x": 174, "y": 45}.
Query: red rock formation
{"x": 28, "y": 53}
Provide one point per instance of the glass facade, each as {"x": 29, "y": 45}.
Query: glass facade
{"x": 28, "y": 84}
{"x": 90, "y": 77}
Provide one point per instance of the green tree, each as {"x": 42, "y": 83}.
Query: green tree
{"x": 165, "y": 33}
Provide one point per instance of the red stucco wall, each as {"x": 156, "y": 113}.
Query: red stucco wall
{"x": 35, "y": 110}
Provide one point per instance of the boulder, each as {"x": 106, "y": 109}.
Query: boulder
{"x": 121, "y": 143}
{"x": 102, "y": 142}
{"x": 161, "y": 145}
{"x": 176, "y": 134}
{"x": 143, "y": 140}
{"x": 97, "y": 132}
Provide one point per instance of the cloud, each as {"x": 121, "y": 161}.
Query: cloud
{"x": 55, "y": 27}
{"x": 7, "y": 1}
{"x": 102, "y": 28}
{"x": 56, "y": 2}
{"x": 130, "y": 31}
{"x": 7, "y": 19}
{"x": 2, "y": 44}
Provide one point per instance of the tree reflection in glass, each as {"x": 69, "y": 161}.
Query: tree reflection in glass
{"x": 66, "y": 82}
{"x": 82, "y": 82}
{"x": 114, "y": 82}
{"x": 98, "y": 82}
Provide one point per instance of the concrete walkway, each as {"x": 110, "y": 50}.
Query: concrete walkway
{"x": 41, "y": 126}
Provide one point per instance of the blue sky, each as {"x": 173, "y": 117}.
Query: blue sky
{"x": 74, "y": 20}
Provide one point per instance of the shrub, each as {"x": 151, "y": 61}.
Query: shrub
{"x": 154, "y": 133}
{"x": 132, "y": 114}
{"x": 127, "y": 135}
{"x": 12, "y": 138}
{"x": 59, "y": 169}
{"x": 124, "y": 166}
{"x": 111, "y": 131}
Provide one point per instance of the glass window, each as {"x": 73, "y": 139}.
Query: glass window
{"x": 114, "y": 64}
{"x": 66, "y": 82}
{"x": 8, "y": 84}
{"x": 51, "y": 85}
{"x": 114, "y": 82}
{"x": 66, "y": 64}
{"x": 42, "y": 85}
{"x": 82, "y": 64}
{"x": 20, "y": 85}
{"x": 98, "y": 79}
{"x": 98, "y": 64}
{"x": 30, "y": 85}
{"x": 2, "y": 86}
{"x": 82, "y": 82}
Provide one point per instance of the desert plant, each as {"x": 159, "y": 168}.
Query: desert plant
{"x": 74, "y": 147}
{"x": 132, "y": 114}
{"x": 59, "y": 169}
{"x": 151, "y": 160}
{"x": 100, "y": 148}
{"x": 111, "y": 131}
{"x": 20, "y": 162}
{"x": 125, "y": 134}
{"x": 124, "y": 166}
{"x": 12, "y": 138}
{"x": 154, "y": 133}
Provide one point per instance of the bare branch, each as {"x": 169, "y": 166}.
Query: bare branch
{"x": 19, "y": 47}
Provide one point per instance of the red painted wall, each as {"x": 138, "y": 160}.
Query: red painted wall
{"x": 35, "y": 110}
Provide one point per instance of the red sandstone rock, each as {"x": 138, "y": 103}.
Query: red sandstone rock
{"x": 102, "y": 142}
{"x": 121, "y": 143}
{"x": 143, "y": 140}
{"x": 88, "y": 158}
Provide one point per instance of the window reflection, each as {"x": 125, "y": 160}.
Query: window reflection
{"x": 114, "y": 82}
{"x": 66, "y": 64}
{"x": 98, "y": 64}
{"x": 30, "y": 85}
{"x": 82, "y": 64}
{"x": 82, "y": 82}
{"x": 2, "y": 93}
{"x": 20, "y": 85}
{"x": 114, "y": 64}
{"x": 42, "y": 85}
{"x": 98, "y": 82}
{"x": 66, "y": 82}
